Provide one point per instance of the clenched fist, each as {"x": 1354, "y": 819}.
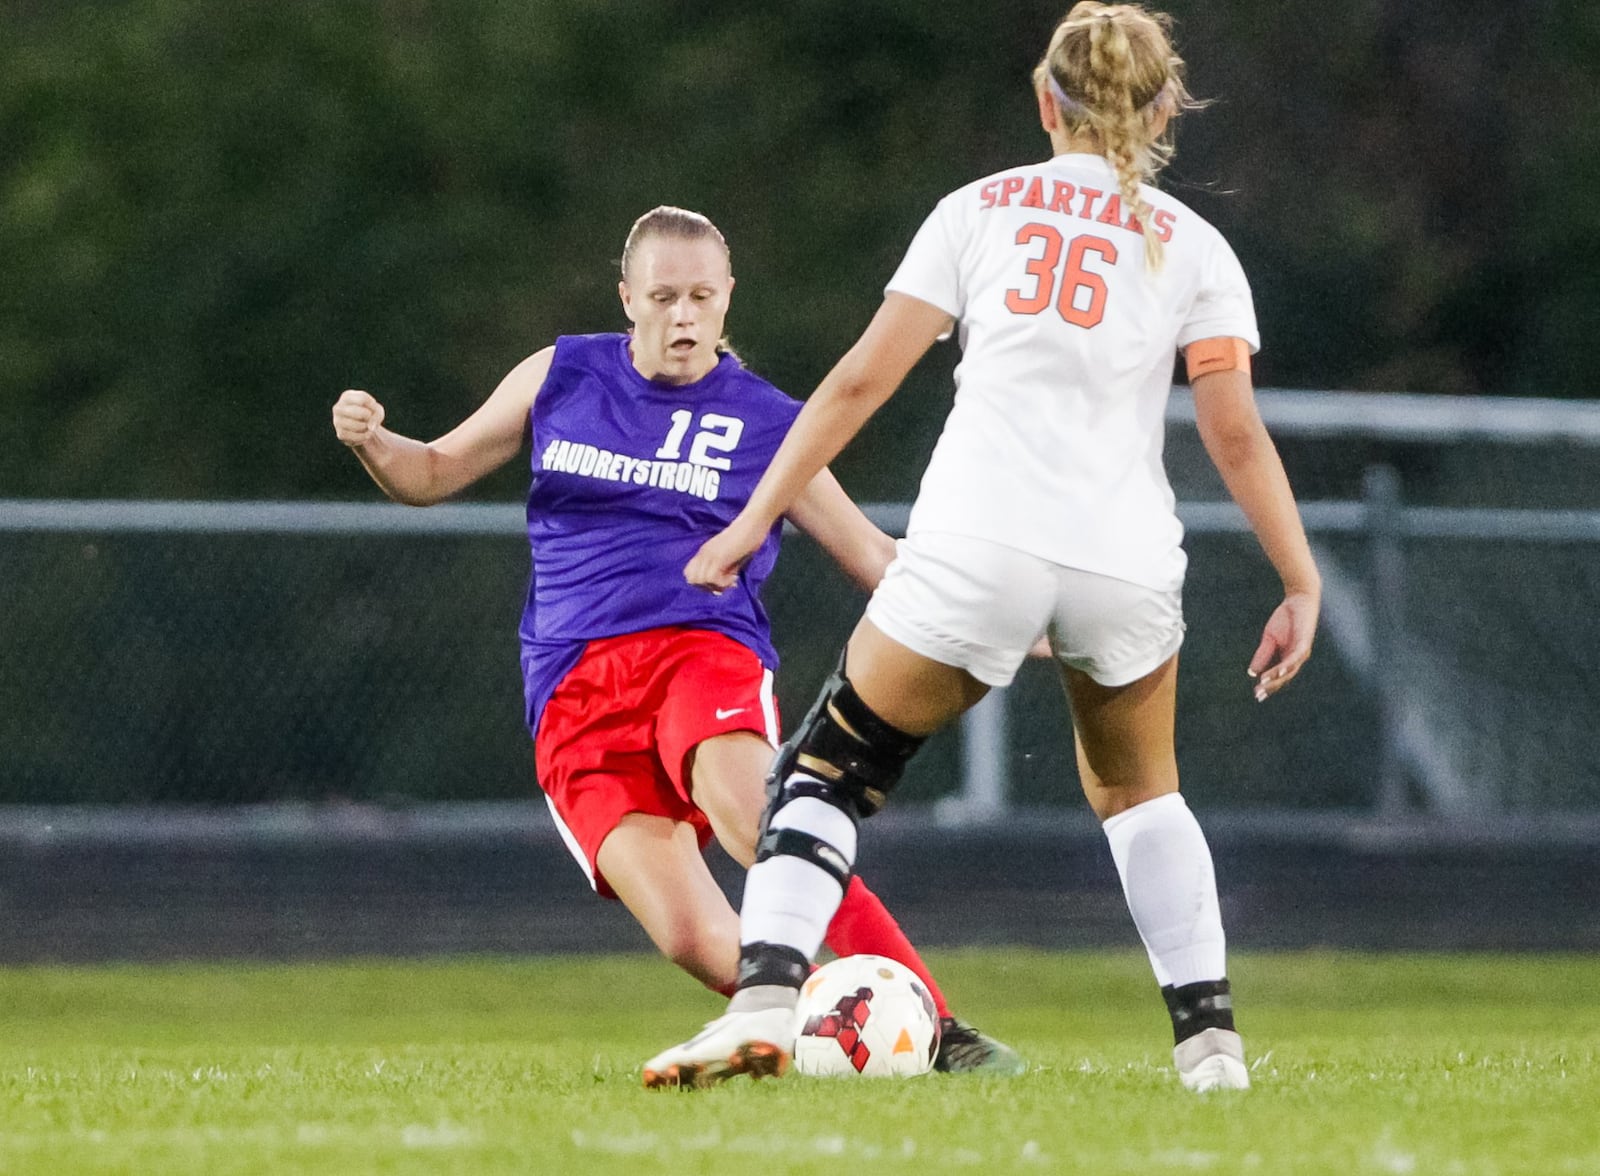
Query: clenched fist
{"x": 356, "y": 417}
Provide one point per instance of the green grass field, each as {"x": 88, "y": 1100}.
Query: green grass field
{"x": 1462, "y": 1065}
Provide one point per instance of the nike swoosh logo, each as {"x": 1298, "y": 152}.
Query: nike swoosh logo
{"x": 728, "y": 714}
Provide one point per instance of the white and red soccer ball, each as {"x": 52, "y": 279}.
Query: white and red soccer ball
{"x": 865, "y": 1016}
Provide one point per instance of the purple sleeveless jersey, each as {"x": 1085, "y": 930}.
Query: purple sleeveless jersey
{"x": 630, "y": 477}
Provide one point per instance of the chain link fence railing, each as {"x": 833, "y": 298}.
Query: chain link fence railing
{"x": 230, "y": 653}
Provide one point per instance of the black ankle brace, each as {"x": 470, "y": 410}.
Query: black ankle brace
{"x": 772, "y": 963}
{"x": 1205, "y": 1004}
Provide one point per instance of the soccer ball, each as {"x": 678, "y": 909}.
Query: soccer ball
{"x": 865, "y": 1016}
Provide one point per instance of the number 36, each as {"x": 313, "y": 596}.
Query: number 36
{"x": 1074, "y": 278}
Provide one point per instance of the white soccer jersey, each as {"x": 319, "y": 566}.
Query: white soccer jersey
{"x": 1068, "y": 343}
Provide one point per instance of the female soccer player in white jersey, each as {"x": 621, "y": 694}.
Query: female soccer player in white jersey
{"x": 1045, "y": 509}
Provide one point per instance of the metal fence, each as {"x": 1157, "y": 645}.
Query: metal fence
{"x": 247, "y": 652}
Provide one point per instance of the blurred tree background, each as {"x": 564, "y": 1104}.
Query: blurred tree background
{"x": 215, "y": 217}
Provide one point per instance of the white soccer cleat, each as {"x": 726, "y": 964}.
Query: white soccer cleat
{"x": 755, "y": 1043}
{"x": 1212, "y": 1060}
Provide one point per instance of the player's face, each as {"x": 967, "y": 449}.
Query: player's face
{"x": 676, "y": 293}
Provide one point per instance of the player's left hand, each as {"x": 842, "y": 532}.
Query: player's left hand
{"x": 1285, "y": 643}
{"x": 716, "y": 566}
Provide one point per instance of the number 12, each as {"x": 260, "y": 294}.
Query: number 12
{"x": 717, "y": 432}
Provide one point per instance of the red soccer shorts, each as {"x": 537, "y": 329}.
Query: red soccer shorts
{"x": 616, "y": 734}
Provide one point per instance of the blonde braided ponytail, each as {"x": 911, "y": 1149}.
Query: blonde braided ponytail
{"x": 1113, "y": 72}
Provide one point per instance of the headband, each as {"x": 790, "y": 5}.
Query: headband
{"x": 1075, "y": 109}
{"x": 1068, "y": 106}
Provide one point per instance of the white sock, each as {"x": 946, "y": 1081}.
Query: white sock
{"x": 1171, "y": 888}
{"x": 789, "y": 900}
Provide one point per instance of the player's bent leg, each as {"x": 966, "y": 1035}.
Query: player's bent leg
{"x": 726, "y": 774}
{"x": 916, "y": 695}
{"x": 861, "y": 926}
{"x": 839, "y": 767}
{"x": 913, "y": 693}
{"x": 655, "y": 867}
{"x": 1129, "y": 769}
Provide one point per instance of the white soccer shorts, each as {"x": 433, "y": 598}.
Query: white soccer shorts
{"x": 981, "y": 606}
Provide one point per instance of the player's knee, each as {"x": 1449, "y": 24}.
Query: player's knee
{"x": 839, "y": 768}
{"x": 698, "y": 950}
{"x": 843, "y": 755}
{"x": 1112, "y": 799}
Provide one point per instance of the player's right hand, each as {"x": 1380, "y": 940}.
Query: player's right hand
{"x": 716, "y": 566}
{"x": 356, "y": 417}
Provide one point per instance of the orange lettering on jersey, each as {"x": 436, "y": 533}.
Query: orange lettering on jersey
{"x": 987, "y": 192}
{"x": 1112, "y": 213}
{"x": 1164, "y": 218}
{"x": 1061, "y": 198}
{"x": 1035, "y": 196}
{"x": 1134, "y": 225}
{"x": 1090, "y": 195}
{"x": 1009, "y": 187}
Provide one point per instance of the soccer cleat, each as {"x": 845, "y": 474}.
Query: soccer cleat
{"x": 1212, "y": 1060}
{"x": 755, "y": 1043}
{"x": 963, "y": 1050}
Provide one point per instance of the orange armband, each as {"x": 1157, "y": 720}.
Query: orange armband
{"x": 1205, "y": 356}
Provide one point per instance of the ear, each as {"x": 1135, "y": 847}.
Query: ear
{"x": 1161, "y": 111}
{"x": 627, "y": 301}
{"x": 1049, "y": 112}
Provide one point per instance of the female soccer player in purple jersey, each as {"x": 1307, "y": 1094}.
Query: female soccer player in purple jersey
{"x": 650, "y": 701}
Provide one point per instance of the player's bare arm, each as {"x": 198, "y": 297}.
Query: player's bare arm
{"x": 1238, "y": 444}
{"x": 859, "y": 384}
{"x": 826, "y": 513}
{"x": 422, "y": 473}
